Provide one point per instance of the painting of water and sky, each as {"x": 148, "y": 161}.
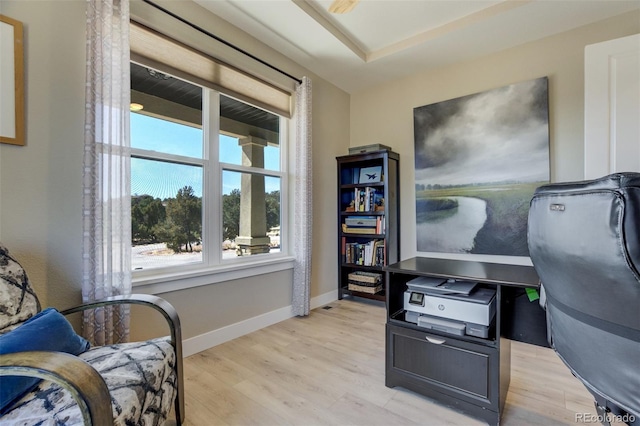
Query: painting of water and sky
{"x": 478, "y": 160}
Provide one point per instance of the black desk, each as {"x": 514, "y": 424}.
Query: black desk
{"x": 468, "y": 373}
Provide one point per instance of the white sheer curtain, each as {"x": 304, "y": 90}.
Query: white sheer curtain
{"x": 303, "y": 216}
{"x": 106, "y": 173}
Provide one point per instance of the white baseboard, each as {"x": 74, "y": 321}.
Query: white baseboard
{"x": 324, "y": 299}
{"x": 212, "y": 338}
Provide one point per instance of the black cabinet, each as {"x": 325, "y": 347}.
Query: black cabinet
{"x": 368, "y": 222}
{"x": 430, "y": 356}
{"x": 468, "y": 373}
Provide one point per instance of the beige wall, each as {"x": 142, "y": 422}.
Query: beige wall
{"x": 384, "y": 114}
{"x": 41, "y": 183}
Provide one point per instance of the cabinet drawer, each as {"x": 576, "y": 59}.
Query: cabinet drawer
{"x": 447, "y": 365}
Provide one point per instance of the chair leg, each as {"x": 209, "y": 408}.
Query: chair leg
{"x": 179, "y": 401}
{"x": 179, "y": 409}
{"x": 603, "y": 413}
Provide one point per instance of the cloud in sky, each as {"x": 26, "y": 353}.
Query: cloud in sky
{"x": 498, "y": 135}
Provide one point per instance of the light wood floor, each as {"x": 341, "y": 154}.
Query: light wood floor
{"x": 328, "y": 369}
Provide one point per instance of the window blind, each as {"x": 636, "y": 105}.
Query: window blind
{"x": 156, "y": 50}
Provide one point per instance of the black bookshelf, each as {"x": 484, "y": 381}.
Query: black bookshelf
{"x": 368, "y": 222}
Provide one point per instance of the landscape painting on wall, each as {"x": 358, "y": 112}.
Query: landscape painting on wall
{"x": 478, "y": 160}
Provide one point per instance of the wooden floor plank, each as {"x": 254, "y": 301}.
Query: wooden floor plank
{"x": 328, "y": 369}
{"x": 355, "y": 410}
{"x": 426, "y": 412}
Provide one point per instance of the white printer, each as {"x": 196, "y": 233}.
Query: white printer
{"x": 456, "y": 307}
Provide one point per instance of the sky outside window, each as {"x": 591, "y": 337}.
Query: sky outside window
{"x": 162, "y": 179}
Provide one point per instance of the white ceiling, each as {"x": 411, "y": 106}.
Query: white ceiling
{"x": 382, "y": 40}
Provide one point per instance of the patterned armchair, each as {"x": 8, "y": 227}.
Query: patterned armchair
{"x": 50, "y": 376}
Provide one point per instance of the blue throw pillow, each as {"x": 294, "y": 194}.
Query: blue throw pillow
{"x": 48, "y": 330}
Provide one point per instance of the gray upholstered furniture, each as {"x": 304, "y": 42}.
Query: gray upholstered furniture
{"x": 584, "y": 241}
{"x": 125, "y": 384}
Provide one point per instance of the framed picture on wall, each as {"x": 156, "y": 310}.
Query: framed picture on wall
{"x": 478, "y": 160}
{"x": 370, "y": 174}
{"x": 11, "y": 82}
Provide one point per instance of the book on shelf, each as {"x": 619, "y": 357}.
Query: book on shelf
{"x": 361, "y": 221}
{"x": 364, "y": 225}
{"x": 358, "y": 229}
{"x": 365, "y": 277}
{"x": 365, "y": 289}
{"x": 368, "y": 199}
{"x": 370, "y": 253}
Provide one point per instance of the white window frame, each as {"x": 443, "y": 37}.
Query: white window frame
{"x": 213, "y": 268}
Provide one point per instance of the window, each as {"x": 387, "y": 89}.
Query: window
{"x": 207, "y": 177}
